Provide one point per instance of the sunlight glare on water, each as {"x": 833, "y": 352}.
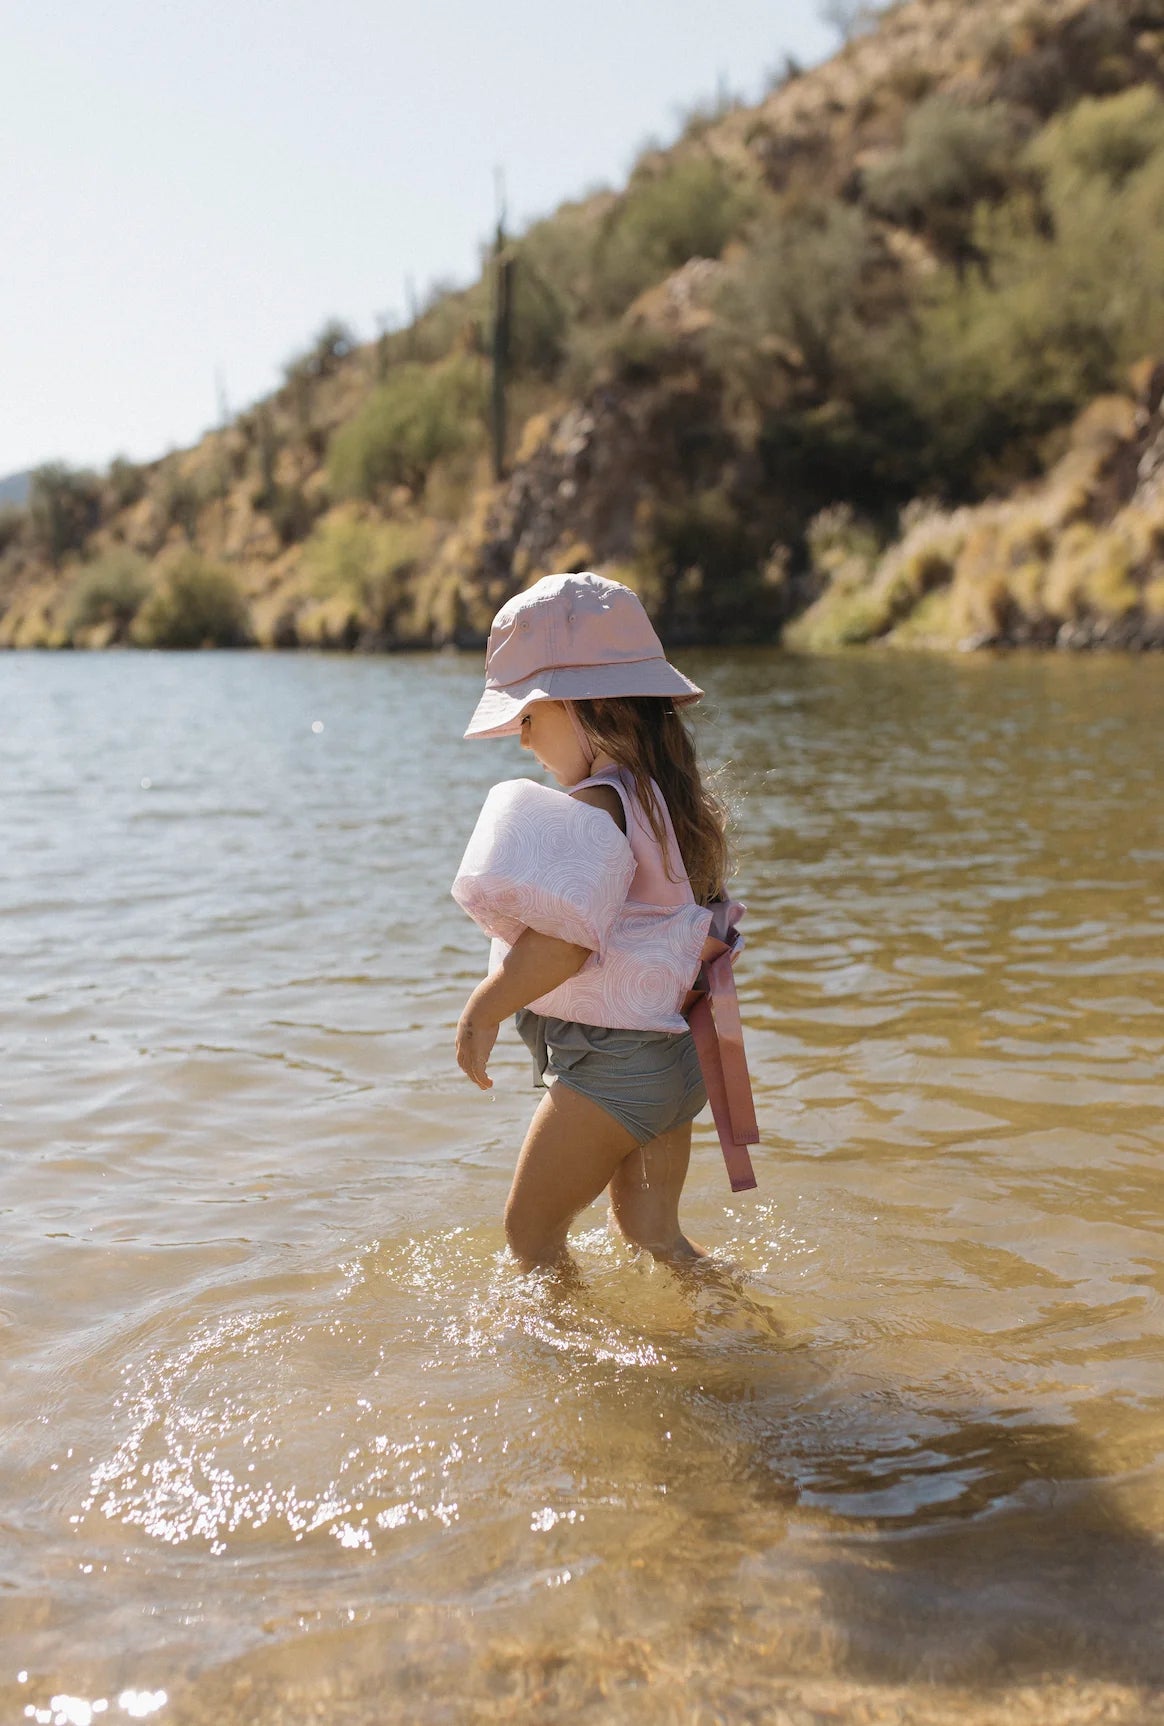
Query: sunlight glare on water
{"x": 285, "y": 1434}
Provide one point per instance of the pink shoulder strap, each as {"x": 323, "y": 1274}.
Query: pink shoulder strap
{"x": 713, "y": 1012}
{"x": 671, "y": 888}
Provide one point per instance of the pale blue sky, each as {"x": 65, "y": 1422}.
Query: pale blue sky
{"x": 189, "y": 191}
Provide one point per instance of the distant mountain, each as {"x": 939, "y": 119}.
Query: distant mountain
{"x": 14, "y": 489}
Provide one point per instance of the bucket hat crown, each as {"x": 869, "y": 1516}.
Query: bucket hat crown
{"x": 571, "y": 638}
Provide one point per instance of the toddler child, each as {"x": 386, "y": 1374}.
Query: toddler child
{"x": 607, "y": 908}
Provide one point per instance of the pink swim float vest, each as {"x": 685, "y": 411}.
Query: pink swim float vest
{"x": 540, "y": 859}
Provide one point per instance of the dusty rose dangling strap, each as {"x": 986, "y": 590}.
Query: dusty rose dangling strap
{"x": 714, "y": 1017}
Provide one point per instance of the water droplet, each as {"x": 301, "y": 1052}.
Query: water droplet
{"x": 317, "y": 725}
{"x": 146, "y": 783}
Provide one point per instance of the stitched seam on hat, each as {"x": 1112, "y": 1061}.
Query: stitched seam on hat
{"x": 584, "y": 665}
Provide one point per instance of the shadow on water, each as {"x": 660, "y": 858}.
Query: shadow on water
{"x": 966, "y": 1547}
{"x": 1016, "y": 1561}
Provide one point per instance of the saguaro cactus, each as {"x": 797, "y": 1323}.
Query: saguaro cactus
{"x": 503, "y": 267}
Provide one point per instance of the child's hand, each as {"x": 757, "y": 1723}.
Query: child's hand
{"x": 476, "y": 1035}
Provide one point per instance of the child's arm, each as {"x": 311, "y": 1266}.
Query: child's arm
{"x": 534, "y": 965}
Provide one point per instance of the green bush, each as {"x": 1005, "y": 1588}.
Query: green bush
{"x": 367, "y": 562}
{"x": 64, "y": 507}
{"x": 1107, "y": 138}
{"x": 417, "y": 415}
{"x": 126, "y": 482}
{"x": 952, "y": 158}
{"x": 179, "y": 498}
{"x": 803, "y": 281}
{"x": 690, "y": 208}
{"x": 108, "y": 592}
{"x": 560, "y": 251}
{"x": 997, "y": 359}
{"x": 838, "y": 539}
{"x": 327, "y": 351}
{"x": 448, "y": 319}
{"x": 197, "y": 603}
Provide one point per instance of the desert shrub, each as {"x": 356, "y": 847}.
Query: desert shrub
{"x": 926, "y": 558}
{"x": 334, "y": 342}
{"x": 347, "y": 554}
{"x": 1107, "y": 137}
{"x": 802, "y": 281}
{"x": 108, "y": 592}
{"x": 560, "y": 250}
{"x": 366, "y": 563}
{"x": 839, "y": 539}
{"x": 446, "y": 320}
{"x": 1091, "y": 574}
{"x": 64, "y": 507}
{"x": 869, "y": 445}
{"x": 588, "y": 350}
{"x": 952, "y": 157}
{"x": 847, "y": 614}
{"x": 869, "y": 595}
{"x": 418, "y": 414}
{"x": 688, "y": 209}
{"x": 305, "y": 371}
{"x": 994, "y": 361}
{"x": 196, "y": 603}
{"x": 179, "y": 498}
{"x": 125, "y": 482}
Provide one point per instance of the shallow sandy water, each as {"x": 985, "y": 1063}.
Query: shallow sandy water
{"x": 284, "y": 1435}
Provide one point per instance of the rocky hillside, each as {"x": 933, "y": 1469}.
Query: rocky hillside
{"x": 1075, "y": 561}
{"x": 852, "y": 362}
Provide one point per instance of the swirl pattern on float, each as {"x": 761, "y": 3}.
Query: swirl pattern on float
{"x": 537, "y": 859}
{"x": 650, "y": 961}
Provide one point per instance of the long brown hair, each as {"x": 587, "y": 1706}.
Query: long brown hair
{"x": 645, "y": 734}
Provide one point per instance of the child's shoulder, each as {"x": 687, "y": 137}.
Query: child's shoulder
{"x": 603, "y": 797}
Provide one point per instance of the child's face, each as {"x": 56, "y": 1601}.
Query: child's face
{"x": 546, "y": 732}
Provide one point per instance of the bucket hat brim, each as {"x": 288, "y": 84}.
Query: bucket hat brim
{"x": 500, "y": 711}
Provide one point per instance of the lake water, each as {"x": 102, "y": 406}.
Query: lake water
{"x": 283, "y": 1435}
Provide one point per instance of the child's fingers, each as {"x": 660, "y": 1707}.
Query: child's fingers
{"x": 473, "y": 1053}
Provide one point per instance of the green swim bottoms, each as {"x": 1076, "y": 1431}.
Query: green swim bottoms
{"x": 648, "y": 1080}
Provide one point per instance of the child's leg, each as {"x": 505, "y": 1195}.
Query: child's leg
{"x": 571, "y": 1153}
{"x": 644, "y": 1197}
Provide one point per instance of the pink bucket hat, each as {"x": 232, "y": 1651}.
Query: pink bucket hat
{"x": 571, "y": 638}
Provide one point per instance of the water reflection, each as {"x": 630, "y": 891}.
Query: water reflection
{"x": 284, "y": 1434}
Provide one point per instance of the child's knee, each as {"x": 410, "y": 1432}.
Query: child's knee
{"x": 528, "y": 1239}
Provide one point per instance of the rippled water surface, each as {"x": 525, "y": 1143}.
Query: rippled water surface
{"x": 286, "y": 1438}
